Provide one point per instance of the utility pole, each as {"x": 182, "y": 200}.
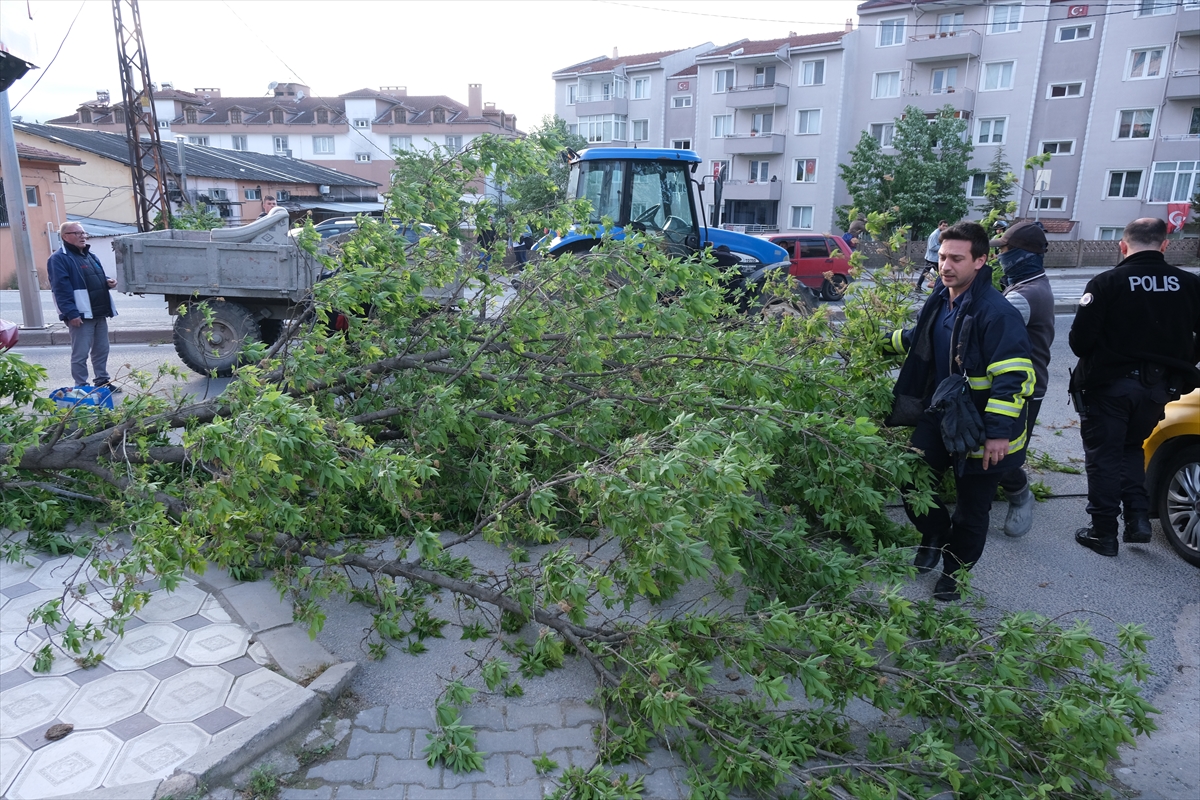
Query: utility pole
{"x": 141, "y": 123}
{"x": 18, "y": 221}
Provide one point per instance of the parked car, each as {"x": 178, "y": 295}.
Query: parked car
{"x": 1173, "y": 475}
{"x": 814, "y": 255}
{"x": 332, "y": 227}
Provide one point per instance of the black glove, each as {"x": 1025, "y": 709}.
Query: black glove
{"x": 959, "y": 420}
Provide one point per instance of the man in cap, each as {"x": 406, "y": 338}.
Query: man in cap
{"x": 1027, "y": 288}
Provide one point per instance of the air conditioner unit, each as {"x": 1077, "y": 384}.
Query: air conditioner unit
{"x": 323, "y": 189}
{"x": 218, "y": 194}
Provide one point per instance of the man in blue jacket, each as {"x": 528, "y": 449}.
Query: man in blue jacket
{"x": 81, "y": 293}
{"x": 965, "y": 328}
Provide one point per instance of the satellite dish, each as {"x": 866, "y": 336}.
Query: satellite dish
{"x": 300, "y": 95}
{"x": 271, "y": 86}
{"x": 738, "y": 52}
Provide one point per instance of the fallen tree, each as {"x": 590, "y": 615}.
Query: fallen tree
{"x": 620, "y": 433}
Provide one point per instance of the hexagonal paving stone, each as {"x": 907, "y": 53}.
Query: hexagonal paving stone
{"x": 33, "y": 703}
{"x": 14, "y": 615}
{"x": 144, "y": 646}
{"x": 13, "y": 572}
{"x": 65, "y": 662}
{"x": 189, "y": 694}
{"x": 257, "y": 690}
{"x": 155, "y": 754}
{"x": 15, "y": 647}
{"x": 166, "y": 606}
{"x": 59, "y": 572}
{"x": 13, "y": 755}
{"x": 66, "y": 767}
{"x": 214, "y": 644}
{"x": 213, "y": 610}
{"x": 112, "y": 698}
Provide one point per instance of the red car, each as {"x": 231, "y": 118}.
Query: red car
{"x": 814, "y": 255}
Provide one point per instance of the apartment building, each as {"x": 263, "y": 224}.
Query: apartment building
{"x": 355, "y": 133}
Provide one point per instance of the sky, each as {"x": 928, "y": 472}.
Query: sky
{"x": 433, "y": 47}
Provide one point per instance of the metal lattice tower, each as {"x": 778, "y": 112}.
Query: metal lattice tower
{"x": 141, "y": 123}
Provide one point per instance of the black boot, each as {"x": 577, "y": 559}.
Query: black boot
{"x": 1100, "y": 536}
{"x": 946, "y": 589}
{"x": 1137, "y": 528}
{"x": 928, "y": 555}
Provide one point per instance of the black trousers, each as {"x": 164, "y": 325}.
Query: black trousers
{"x": 962, "y": 535}
{"x": 1015, "y": 479}
{"x": 1118, "y": 419}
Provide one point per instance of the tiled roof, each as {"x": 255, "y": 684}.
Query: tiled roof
{"x": 1053, "y": 225}
{"x": 27, "y": 153}
{"x": 767, "y": 46}
{"x": 206, "y": 162}
{"x": 875, "y": 4}
{"x": 687, "y": 72}
{"x": 609, "y": 64}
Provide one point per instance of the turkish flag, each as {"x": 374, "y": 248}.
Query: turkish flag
{"x": 1177, "y": 214}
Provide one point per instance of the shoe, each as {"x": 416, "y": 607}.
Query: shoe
{"x": 927, "y": 558}
{"x": 1104, "y": 546}
{"x": 946, "y": 589}
{"x": 1020, "y": 513}
{"x": 112, "y": 387}
{"x": 1137, "y": 529}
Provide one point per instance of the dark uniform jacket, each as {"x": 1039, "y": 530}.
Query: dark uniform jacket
{"x": 988, "y": 345}
{"x": 1140, "y": 313}
{"x": 79, "y": 284}
{"x": 1034, "y": 300}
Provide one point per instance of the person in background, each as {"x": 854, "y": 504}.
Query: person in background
{"x": 931, "y": 252}
{"x": 857, "y": 231}
{"x": 84, "y": 300}
{"x": 1027, "y": 288}
{"x": 268, "y": 204}
{"x": 1137, "y": 335}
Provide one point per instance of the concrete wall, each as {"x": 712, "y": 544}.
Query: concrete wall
{"x": 43, "y": 218}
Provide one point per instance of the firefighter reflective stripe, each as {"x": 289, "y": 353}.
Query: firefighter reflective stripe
{"x": 1003, "y": 407}
{"x": 1014, "y": 445}
{"x": 980, "y": 384}
{"x": 898, "y": 342}
{"x": 1023, "y": 365}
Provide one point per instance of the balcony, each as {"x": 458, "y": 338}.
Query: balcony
{"x": 592, "y": 105}
{"x": 1189, "y": 21}
{"x": 943, "y": 46}
{"x": 757, "y": 96}
{"x": 962, "y": 100}
{"x": 1183, "y": 84}
{"x": 752, "y": 190}
{"x": 745, "y": 144}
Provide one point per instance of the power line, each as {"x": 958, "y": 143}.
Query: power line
{"x": 52, "y": 60}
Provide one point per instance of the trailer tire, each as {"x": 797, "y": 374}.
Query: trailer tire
{"x": 210, "y": 336}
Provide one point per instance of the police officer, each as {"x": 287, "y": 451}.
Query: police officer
{"x": 1137, "y": 335}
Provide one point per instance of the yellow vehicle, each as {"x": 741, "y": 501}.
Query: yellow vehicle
{"x": 1173, "y": 475}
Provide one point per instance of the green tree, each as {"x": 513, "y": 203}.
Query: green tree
{"x": 998, "y": 188}
{"x": 537, "y": 193}
{"x": 923, "y": 180}
{"x": 572, "y": 461}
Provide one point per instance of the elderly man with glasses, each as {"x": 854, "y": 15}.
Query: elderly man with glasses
{"x": 84, "y": 300}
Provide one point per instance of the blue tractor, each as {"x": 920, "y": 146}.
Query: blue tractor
{"x": 651, "y": 191}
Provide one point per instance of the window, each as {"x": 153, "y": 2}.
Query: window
{"x": 1109, "y": 234}
{"x": 1194, "y": 125}
{"x": 681, "y": 144}
{"x": 455, "y": 144}
{"x": 722, "y": 81}
{"x": 238, "y": 142}
{"x": 1005, "y": 18}
{"x": 399, "y": 115}
{"x": 362, "y": 123}
{"x": 806, "y": 170}
{"x": 1154, "y": 8}
{"x": 887, "y": 84}
{"x": 31, "y": 196}
{"x": 812, "y": 73}
{"x": 944, "y": 80}
{"x": 219, "y": 195}
{"x": 883, "y": 132}
{"x": 190, "y": 116}
{"x": 808, "y": 120}
{"x": 85, "y": 115}
{"x": 978, "y": 184}
{"x": 998, "y": 75}
{"x": 720, "y": 168}
{"x": 235, "y": 116}
{"x": 681, "y": 101}
{"x": 760, "y": 171}
{"x": 1145, "y": 63}
{"x": 281, "y": 145}
{"x": 252, "y": 194}
{"x": 283, "y": 196}
{"x": 164, "y": 124}
{"x": 891, "y": 32}
{"x": 1174, "y": 181}
{"x": 950, "y": 23}
{"x": 439, "y": 116}
{"x": 603, "y": 128}
{"x": 323, "y": 145}
{"x": 200, "y": 140}
{"x": 322, "y": 116}
{"x": 801, "y": 218}
{"x": 362, "y": 158}
{"x": 1074, "y": 33}
{"x": 641, "y": 130}
{"x": 277, "y": 115}
{"x": 1063, "y": 148}
{"x": 1125, "y": 184}
{"x": 722, "y": 125}
{"x": 1064, "y": 90}
{"x": 1048, "y": 203}
{"x": 762, "y": 123}
{"x": 119, "y": 115}
{"x": 1135, "y": 123}
{"x": 641, "y": 88}
{"x": 764, "y": 76}
{"x": 991, "y": 130}
{"x": 401, "y": 143}
{"x": 572, "y": 93}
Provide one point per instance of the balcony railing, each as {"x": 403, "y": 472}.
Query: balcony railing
{"x": 961, "y": 100}
{"x": 943, "y": 46}
{"x": 1183, "y": 84}
{"x": 752, "y": 190}
{"x": 737, "y": 144}
{"x": 775, "y": 94}
{"x": 590, "y": 105}
{"x": 1179, "y": 137}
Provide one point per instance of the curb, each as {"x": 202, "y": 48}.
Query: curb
{"x": 58, "y": 336}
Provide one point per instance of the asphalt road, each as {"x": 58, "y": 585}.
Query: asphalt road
{"x": 1045, "y": 572}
